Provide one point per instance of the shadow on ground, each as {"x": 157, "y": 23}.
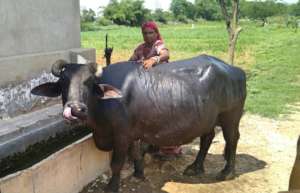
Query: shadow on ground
{"x": 158, "y": 173}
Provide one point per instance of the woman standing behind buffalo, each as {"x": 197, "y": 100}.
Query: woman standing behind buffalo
{"x": 150, "y": 53}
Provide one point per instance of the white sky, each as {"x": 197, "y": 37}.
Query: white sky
{"x": 150, "y": 4}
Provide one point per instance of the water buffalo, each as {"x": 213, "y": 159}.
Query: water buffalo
{"x": 169, "y": 104}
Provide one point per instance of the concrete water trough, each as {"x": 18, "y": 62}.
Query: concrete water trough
{"x": 40, "y": 133}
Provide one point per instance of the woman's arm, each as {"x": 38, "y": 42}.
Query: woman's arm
{"x": 133, "y": 57}
{"x": 162, "y": 57}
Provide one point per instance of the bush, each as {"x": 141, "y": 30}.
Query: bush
{"x": 161, "y": 16}
{"x": 89, "y": 26}
{"x": 293, "y": 22}
{"x": 103, "y": 21}
{"x": 279, "y": 21}
{"x": 126, "y": 12}
{"x": 182, "y": 18}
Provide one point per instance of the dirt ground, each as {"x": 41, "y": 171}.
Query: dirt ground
{"x": 265, "y": 156}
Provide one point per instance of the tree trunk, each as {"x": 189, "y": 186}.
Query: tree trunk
{"x": 232, "y": 43}
{"x": 232, "y": 27}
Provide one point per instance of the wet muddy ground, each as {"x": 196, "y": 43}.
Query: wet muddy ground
{"x": 265, "y": 156}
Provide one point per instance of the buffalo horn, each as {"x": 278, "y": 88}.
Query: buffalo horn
{"x": 96, "y": 68}
{"x": 57, "y": 67}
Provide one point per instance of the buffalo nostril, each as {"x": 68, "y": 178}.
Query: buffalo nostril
{"x": 82, "y": 110}
{"x": 77, "y": 108}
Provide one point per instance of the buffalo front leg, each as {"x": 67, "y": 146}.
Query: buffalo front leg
{"x": 118, "y": 159}
{"x": 197, "y": 167}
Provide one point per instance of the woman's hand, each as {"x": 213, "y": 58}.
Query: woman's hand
{"x": 149, "y": 63}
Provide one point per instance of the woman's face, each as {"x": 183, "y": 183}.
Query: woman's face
{"x": 150, "y": 36}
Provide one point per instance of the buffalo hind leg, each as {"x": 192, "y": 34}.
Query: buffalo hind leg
{"x": 229, "y": 122}
{"x": 120, "y": 151}
{"x": 197, "y": 167}
{"x": 138, "y": 159}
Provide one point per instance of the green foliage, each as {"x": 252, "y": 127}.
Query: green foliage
{"x": 208, "y": 9}
{"x": 87, "y": 15}
{"x": 293, "y": 22}
{"x": 261, "y": 10}
{"x": 182, "y": 18}
{"x": 183, "y": 9}
{"x": 162, "y": 16}
{"x": 133, "y": 13}
{"x": 126, "y": 12}
{"x": 87, "y": 26}
{"x": 103, "y": 21}
{"x": 295, "y": 9}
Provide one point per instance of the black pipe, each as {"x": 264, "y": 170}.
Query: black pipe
{"x": 107, "y": 51}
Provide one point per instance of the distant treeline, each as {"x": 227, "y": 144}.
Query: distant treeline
{"x": 133, "y": 12}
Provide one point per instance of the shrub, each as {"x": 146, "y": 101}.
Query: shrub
{"x": 103, "y": 21}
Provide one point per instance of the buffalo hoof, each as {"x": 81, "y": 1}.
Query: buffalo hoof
{"x": 139, "y": 175}
{"x": 193, "y": 170}
{"x": 225, "y": 175}
{"x": 111, "y": 189}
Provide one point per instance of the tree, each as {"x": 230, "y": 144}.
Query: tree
{"x": 208, "y": 9}
{"x": 232, "y": 26}
{"x": 295, "y": 9}
{"x": 87, "y": 15}
{"x": 292, "y": 22}
{"x": 126, "y": 12}
{"x": 262, "y": 9}
{"x": 161, "y": 16}
{"x": 183, "y": 8}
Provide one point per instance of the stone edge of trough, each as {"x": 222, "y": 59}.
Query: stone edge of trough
{"x": 66, "y": 171}
{"x": 18, "y": 133}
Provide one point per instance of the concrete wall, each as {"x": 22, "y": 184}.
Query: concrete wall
{"x": 34, "y": 34}
{"x": 35, "y": 26}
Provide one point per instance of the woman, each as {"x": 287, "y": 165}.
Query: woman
{"x": 153, "y": 50}
{"x": 150, "y": 53}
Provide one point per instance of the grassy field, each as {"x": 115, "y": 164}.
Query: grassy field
{"x": 270, "y": 56}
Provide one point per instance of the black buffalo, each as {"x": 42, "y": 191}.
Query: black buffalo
{"x": 170, "y": 104}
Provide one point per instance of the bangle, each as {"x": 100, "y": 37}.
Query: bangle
{"x": 157, "y": 59}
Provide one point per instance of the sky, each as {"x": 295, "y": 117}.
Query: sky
{"x": 150, "y": 4}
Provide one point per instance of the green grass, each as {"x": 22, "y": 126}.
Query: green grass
{"x": 270, "y": 56}
{"x": 274, "y": 80}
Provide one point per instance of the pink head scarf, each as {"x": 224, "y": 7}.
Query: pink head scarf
{"x": 152, "y": 25}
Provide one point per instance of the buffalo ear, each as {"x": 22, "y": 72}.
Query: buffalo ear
{"x": 49, "y": 89}
{"x": 109, "y": 92}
